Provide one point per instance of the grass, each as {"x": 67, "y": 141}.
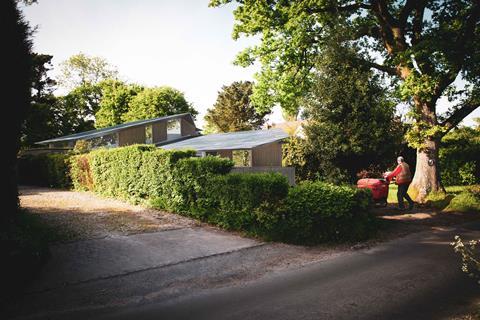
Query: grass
{"x": 457, "y": 198}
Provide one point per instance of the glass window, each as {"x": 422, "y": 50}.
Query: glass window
{"x": 109, "y": 141}
{"x": 148, "y": 134}
{"x": 242, "y": 158}
{"x": 173, "y": 129}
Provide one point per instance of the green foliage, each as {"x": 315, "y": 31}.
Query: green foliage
{"x": 318, "y": 212}
{"x": 80, "y": 70}
{"x": 41, "y": 121}
{"x": 233, "y": 110}
{"x": 351, "y": 121}
{"x": 189, "y": 180}
{"x": 116, "y": 97}
{"x": 49, "y": 170}
{"x": 262, "y": 205}
{"x": 246, "y": 202}
{"x": 439, "y": 200}
{"x": 467, "y": 201}
{"x": 157, "y": 102}
{"x": 459, "y": 163}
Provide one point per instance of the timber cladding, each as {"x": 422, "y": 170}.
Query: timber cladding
{"x": 131, "y": 136}
{"x": 267, "y": 155}
{"x": 187, "y": 128}
{"x": 159, "y": 131}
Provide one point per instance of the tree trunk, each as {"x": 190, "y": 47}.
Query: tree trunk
{"x": 427, "y": 172}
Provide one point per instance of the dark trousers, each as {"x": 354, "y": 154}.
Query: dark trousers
{"x": 402, "y": 193}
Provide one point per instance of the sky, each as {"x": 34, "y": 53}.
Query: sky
{"x": 179, "y": 43}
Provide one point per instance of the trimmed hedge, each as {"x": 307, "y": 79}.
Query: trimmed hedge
{"x": 260, "y": 204}
{"x": 47, "y": 170}
{"x": 318, "y": 212}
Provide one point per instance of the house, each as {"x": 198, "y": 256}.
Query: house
{"x": 152, "y": 131}
{"x": 251, "y": 151}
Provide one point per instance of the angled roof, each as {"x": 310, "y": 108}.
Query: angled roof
{"x": 230, "y": 141}
{"x": 101, "y": 132}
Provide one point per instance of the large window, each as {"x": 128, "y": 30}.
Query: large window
{"x": 242, "y": 158}
{"x": 109, "y": 141}
{"x": 148, "y": 134}
{"x": 173, "y": 129}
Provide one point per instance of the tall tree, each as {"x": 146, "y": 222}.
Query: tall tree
{"x": 351, "y": 118}
{"x": 157, "y": 102}
{"x": 41, "y": 116}
{"x": 234, "y": 111}
{"x": 17, "y": 47}
{"x": 81, "y": 69}
{"x": 430, "y": 48}
{"x": 116, "y": 97}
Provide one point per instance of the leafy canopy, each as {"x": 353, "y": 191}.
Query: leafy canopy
{"x": 157, "y": 102}
{"x": 233, "y": 110}
{"x": 116, "y": 97}
{"x": 351, "y": 122}
{"x": 429, "y": 48}
{"x": 81, "y": 69}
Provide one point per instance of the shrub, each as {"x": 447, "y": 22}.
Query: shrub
{"x": 135, "y": 173}
{"x": 261, "y": 204}
{"x": 49, "y": 170}
{"x": 80, "y": 173}
{"x": 188, "y": 182}
{"x": 245, "y": 201}
{"x": 466, "y": 201}
{"x": 318, "y": 211}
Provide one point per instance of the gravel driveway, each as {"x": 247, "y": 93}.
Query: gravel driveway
{"x": 84, "y": 215}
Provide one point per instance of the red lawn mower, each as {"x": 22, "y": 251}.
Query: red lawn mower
{"x": 379, "y": 189}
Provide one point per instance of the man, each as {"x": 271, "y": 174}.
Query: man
{"x": 403, "y": 179}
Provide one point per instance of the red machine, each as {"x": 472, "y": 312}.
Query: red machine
{"x": 379, "y": 189}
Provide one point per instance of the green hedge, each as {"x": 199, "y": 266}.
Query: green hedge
{"x": 260, "y": 204}
{"x": 48, "y": 170}
{"x": 246, "y": 202}
{"x": 318, "y": 212}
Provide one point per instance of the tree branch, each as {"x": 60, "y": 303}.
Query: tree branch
{"x": 334, "y": 9}
{"x": 458, "y": 115}
{"x": 391, "y": 71}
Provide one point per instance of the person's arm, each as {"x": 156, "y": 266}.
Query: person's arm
{"x": 394, "y": 173}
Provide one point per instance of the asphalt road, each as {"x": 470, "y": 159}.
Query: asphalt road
{"x": 416, "y": 277}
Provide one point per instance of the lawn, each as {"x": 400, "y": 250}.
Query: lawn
{"x": 458, "y": 198}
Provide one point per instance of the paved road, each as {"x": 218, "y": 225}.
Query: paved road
{"x": 416, "y": 277}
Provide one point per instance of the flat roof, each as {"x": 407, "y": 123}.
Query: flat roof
{"x": 230, "y": 141}
{"x": 101, "y": 132}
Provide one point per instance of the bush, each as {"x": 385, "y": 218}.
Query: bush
{"x": 466, "y": 201}
{"x": 137, "y": 173}
{"x": 459, "y": 157}
{"x": 245, "y": 201}
{"x": 49, "y": 170}
{"x": 318, "y": 211}
{"x": 260, "y": 204}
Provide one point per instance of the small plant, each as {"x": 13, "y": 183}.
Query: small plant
{"x": 470, "y": 256}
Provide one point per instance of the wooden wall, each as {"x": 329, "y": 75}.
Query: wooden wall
{"x": 131, "y": 136}
{"x": 267, "y": 155}
{"x": 187, "y": 128}
{"x": 159, "y": 131}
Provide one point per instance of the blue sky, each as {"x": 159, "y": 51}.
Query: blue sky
{"x": 179, "y": 43}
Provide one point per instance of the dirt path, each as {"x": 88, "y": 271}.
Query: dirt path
{"x": 83, "y": 215}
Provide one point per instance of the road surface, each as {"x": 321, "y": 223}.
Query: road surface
{"x": 416, "y": 277}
